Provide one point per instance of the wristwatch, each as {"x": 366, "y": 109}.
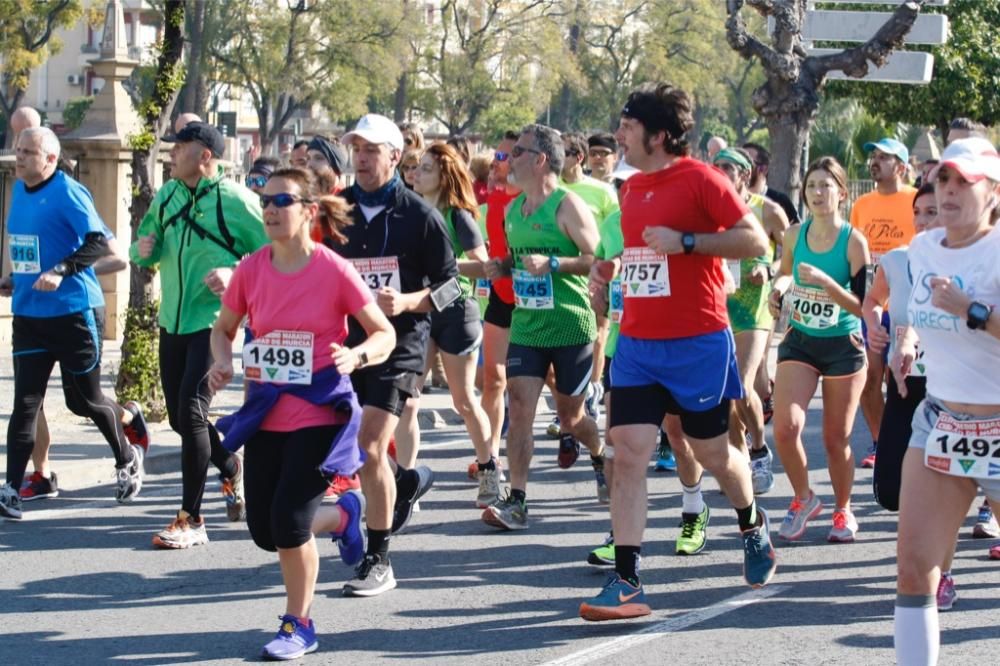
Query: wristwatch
{"x": 978, "y": 314}
{"x": 61, "y": 269}
{"x": 553, "y": 264}
{"x": 362, "y": 358}
{"x": 687, "y": 240}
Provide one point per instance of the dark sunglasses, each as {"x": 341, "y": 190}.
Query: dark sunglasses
{"x": 600, "y": 153}
{"x": 501, "y": 156}
{"x": 517, "y": 151}
{"x": 256, "y": 181}
{"x": 281, "y": 200}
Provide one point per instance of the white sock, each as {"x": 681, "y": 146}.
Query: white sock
{"x": 916, "y": 636}
{"x": 692, "y": 501}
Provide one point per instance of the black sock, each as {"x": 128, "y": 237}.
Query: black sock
{"x": 492, "y": 464}
{"x": 398, "y": 474}
{"x": 518, "y": 496}
{"x": 627, "y": 563}
{"x": 597, "y": 461}
{"x": 230, "y": 468}
{"x": 758, "y": 453}
{"x": 748, "y": 517}
{"x": 406, "y": 483}
{"x": 378, "y": 543}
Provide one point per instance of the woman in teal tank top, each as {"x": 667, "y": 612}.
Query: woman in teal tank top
{"x": 823, "y": 267}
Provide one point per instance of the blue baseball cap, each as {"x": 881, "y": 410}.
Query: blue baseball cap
{"x": 889, "y": 146}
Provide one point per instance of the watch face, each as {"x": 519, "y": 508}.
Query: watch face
{"x": 978, "y": 311}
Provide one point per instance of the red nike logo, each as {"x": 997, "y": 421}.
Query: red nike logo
{"x": 625, "y": 598}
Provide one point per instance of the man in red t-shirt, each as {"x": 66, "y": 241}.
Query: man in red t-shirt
{"x": 675, "y": 352}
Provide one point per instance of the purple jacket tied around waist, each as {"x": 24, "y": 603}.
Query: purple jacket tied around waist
{"x": 328, "y": 387}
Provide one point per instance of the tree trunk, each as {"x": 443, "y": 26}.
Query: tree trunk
{"x": 788, "y": 133}
{"x": 399, "y": 103}
{"x": 193, "y": 84}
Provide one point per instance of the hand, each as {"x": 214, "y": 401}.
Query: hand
{"x": 219, "y": 375}
{"x": 344, "y": 358}
{"x": 728, "y": 281}
{"x": 7, "y": 287}
{"x": 774, "y": 303}
{"x": 602, "y": 272}
{"x": 146, "y": 245}
{"x": 900, "y": 364}
{"x": 494, "y": 268}
{"x": 390, "y": 301}
{"x": 758, "y": 274}
{"x": 47, "y": 281}
{"x": 218, "y": 279}
{"x": 809, "y": 274}
{"x": 536, "y": 264}
{"x": 878, "y": 337}
{"x": 948, "y": 296}
{"x": 663, "y": 240}
{"x": 598, "y": 298}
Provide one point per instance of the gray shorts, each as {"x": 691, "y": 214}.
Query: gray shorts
{"x": 923, "y": 423}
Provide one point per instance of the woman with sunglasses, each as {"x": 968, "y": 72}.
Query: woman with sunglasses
{"x": 955, "y": 437}
{"x": 299, "y": 423}
{"x": 260, "y": 171}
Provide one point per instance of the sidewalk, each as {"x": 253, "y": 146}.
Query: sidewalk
{"x": 82, "y": 458}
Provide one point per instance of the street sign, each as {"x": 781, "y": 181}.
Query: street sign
{"x": 912, "y": 67}
{"x": 859, "y": 26}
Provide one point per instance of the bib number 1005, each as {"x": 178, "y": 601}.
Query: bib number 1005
{"x": 814, "y": 308}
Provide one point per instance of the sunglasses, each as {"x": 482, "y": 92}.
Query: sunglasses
{"x": 517, "y": 151}
{"x": 600, "y": 153}
{"x": 501, "y": 156}
{"x": 256, "y": 181}
{"x": 281, "y": 200}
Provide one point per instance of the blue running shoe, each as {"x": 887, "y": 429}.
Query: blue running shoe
{"x": 292, "y": 641}
{"x": 619, "y": 600}
{"x": 665, "y": 461}
{"x": 351, "y": 541}
{"x": 759, "y": 559}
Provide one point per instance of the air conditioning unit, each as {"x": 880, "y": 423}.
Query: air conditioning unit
{"x": 74, "y": 79}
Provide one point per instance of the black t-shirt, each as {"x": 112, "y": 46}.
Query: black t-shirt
{"x": 414, "y": 233}
{"x": 467, "y": 232}
{"x": 782, "y": 200}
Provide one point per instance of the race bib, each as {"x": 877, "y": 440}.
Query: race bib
{"x": 813, "y": 308}
{"x": 734, "y": 269}
{"x": 964, "y": 448}
{"x": 918, "y": 369}
{"x": 24, "y": 254}
{"x": 533, "y": 292}
{"x": 378, "y": 272}
{"x": 644, "y": 273}
{"x": 482, "y": 288}
{"x": 280, "y": 356}
{"x": 616, "y": 303}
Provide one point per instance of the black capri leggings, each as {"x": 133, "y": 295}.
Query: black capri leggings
{"x": 894, "y": 439}
{"x": 184, "y": 364}
{"x": 284, "y": 485}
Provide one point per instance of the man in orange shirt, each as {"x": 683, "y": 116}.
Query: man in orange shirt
{"x": 886, "y": 218}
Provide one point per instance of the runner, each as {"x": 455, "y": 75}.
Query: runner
{"x": 552, "y": 237}
{"x": 260, "y": 171}
{"x": 196, "y": 230}
{"x": 55, "y": 237}
{"x": 328, "y": 160}
{"x": 678, "y": 217}
{"x": 399, "y": 244}
{"x": 956, "y": 280}
{"x": 823, "y": 272}
{"x": 300, "y": 423}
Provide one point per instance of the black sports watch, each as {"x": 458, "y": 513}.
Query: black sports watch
{"x": 687, "y": 241}
{"x": 61, "y": 269}
{"x": 362, "y": 358}
{"x": 977, "y": 315}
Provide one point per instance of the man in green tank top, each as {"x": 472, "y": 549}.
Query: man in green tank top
{"x": 552, "y": 238}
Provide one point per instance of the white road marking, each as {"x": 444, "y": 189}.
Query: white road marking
{"x": 100, "y": 504}
{"x": 610, "y": 647}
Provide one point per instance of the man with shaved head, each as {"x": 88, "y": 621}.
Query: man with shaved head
{"x": 183, "y": 119}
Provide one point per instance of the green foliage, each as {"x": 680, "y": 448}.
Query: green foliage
{"x": 138, "y": 376}
{"x": 842, "y": 129}
{"x": 75, "y": 110}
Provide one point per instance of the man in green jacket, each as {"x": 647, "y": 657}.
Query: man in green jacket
{"x": 198, "y": 227}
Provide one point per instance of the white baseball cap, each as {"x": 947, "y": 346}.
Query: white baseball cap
{"x": 975, "y": 158}
{"x": 375, "y": 128}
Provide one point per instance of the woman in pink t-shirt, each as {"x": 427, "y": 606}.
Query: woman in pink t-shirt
{"x": 297, "y": 295}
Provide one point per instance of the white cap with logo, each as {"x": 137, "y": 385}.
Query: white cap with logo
{"x": 376, "y": 128}
{"x": 975, "y": 158}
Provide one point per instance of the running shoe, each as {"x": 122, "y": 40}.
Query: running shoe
{"x": 569, "y": 451}
{"x": 554, "y": 429}
{"x": 351, "y": 540}
{"x": 128, "y": 479}
{"x": 403, "y": 510}
{"x": 946, "y": 594}
{"x": 342, "y": 484}
{"x": 799, "y": 514}
{"x": 181, "y": 533}
{"x": 507, "y": 513}
{"x": 868, "y": 462}
{"x": 603, "y": 491}
{"x": 986, "y": 526}
{"x": 995, "y": 551}
{"x": 618, "y": 600}
{"x": 665, "y": 461}
{"x": 592, "y": 403}
{"x": 232, "y": 491}
{"x": 292, "y": 641}
{"x": 10, "y": 503}
{"x": 760, "y": 470}
{"x": 603, "y": 555}
{"x": 694, "y": 532}
{"x": 136, "y": 432}
{"x": 759, "y": 559}
{"x": 37, "y": 487}
{"x": 845, "y": 526}
{"x": 489, "y": 487}
{"x": 372, "y": 577}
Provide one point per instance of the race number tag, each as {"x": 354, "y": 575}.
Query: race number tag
{"x": 918, "y": 369}
{"x": 616, "y": 302}
{"x": 813, "y": 308}
{"x": 734, "y": 269}
{"x": 644, "y": 273}
{"x": 378, "y": 272}
{"x": 533, "y": 292}
{"x": 964, "y": 448}
{"x": 482, "y": 288}
{"x": 24, "y": 254}
{"x": 280, "y": 356}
